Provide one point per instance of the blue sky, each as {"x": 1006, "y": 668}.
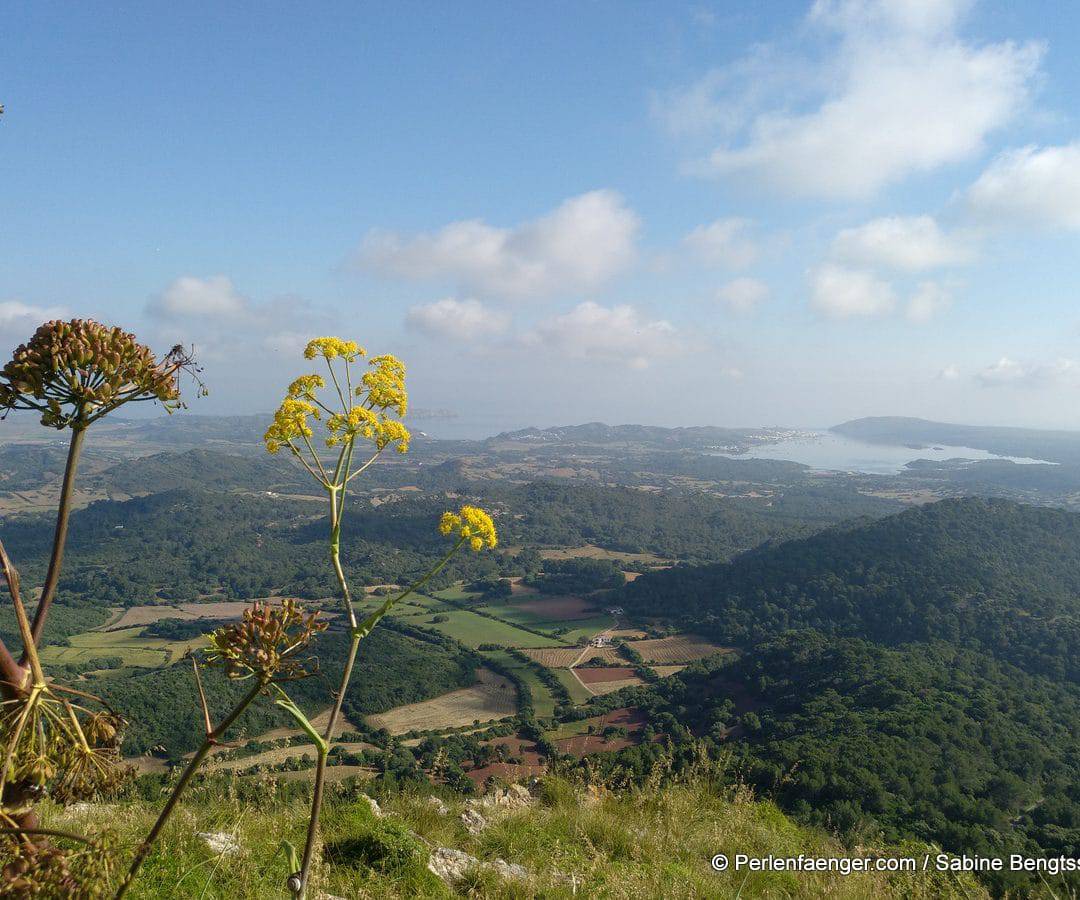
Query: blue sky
{"x": 777, "y": 213}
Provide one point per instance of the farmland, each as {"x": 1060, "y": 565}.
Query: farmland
{"x": 543, "y": 700}
{"x": 680, "y": 648}
{"x": 127, "y": 643}
{"x": 473, "y": 630}
{"x": 606, "y": 680}
{"x": 492, "y": 697}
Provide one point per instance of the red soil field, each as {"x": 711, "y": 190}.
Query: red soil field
{"x": 598, "y": 675}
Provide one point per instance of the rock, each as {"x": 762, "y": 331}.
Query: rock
{"x": 218, "y": 841}
{"x": 453, "y": 865}
{"x": 509, "y": 871}
{"x": 473, "y": 820}
{"x": 518, "y": 795}
{"x": 437, "y": 804}
{"x": 449, "y": 864}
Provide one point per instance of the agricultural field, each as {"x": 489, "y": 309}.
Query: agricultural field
{"x": 586, "y": 628}
{"x": 601, "y": 681}
{"x": 565, "y": 657}
{"x": 545, "y": 608}
{"x": 586, "y": 735}
{"x": 588, "y": 551}
{"x": 679, "y": 648}
{"x": 492, "y": 697}
{"x": 128, "y": 643}
{"x": 577, "y": 691}
{"x": 277, "y": 755}
{"x": 543, "y": 700}
{"x": 473, "y": 630}
{"x": 665, "y": 671}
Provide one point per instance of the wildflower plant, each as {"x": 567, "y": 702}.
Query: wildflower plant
{"x": 356, "y": 403}
{"x": 268, "y": 646}
{"x": 58, "y": 741}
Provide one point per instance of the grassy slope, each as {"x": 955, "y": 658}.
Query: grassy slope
{"x": 650, "y": 843}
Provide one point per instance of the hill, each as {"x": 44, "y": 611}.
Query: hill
{"x": 1053, "y": 446}
{"x": 987, "y": 574}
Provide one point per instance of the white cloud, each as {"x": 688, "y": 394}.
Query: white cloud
{"x": 723, "y": 243}
{"x": 901, "y": 94}
{"x": 930, "y": 299}
{"x": 902, "y": 243}
{"x": 189, "y": 296}
{"x": 1008, "y": 371}
{"x": 742, "y": 295}
{"x": 459, "y": 319}
{"x": 950, "y": 373}
{"x": 839, "y": 292}
{"x": 1030, "y": 186}
{"x": 583, "y": 243}
{"x": 608, "y": 334}
{"x": 15, "y": 315}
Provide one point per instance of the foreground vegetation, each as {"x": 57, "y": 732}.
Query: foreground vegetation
{"x": 655, "y": 841}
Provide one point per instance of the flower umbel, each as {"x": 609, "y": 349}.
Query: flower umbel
{"x": 267, "y": 642}
{"x": 366, "y": 408}
{"x": 75, "y": 372}
{"x": 471, "y": 524}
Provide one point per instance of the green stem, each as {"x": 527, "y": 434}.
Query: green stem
{"x": 174, "y": 798}
{"x": 52, "y": 577}
{"x": 359, "y": 632}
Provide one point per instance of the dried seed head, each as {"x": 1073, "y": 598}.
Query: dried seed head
{"x": 75, "y": 372}
{"x": 268, "y": 642}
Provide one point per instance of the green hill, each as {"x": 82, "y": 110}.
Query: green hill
{"x": 988, "y": 574}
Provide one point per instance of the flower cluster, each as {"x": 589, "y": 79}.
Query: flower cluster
{"x": 385, "y": 384}
{"x": 472, "y": 524}
{"x": 290, "y": 422}
{"x": 35, "y": 870}
{"x": 332, "y": 348}
{"x": 379, "y": 396}
{"x": 58, "y": 753}
{"x": 75, "y": 372}
{"x": 267, "y": 642}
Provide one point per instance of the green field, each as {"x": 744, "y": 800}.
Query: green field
{"x": 136, "y": 650}
{"x": 580, "y": 627}
{"x": 543, "y": 699}
{"x": 473, "y": 630}
{"x": 574, "y": 688}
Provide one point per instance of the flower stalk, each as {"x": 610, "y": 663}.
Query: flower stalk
{"x": 364, "y": 409}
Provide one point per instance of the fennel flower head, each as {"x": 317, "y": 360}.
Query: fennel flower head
{"x": 75, "y": 372}
{"x": 366, "y": 405}
{"x": 471, "y": 524}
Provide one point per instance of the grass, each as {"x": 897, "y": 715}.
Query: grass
{"x": 653, "y": 842}
{"x": 577, "y": 691}
{"x": 580, "y": 628}
{"x": 543, "y": 699}
{"x": 136, "y": 650}
{"x": 473, "y": 630}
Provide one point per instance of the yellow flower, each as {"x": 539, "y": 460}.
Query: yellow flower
{"x": 385, "y": 384}
{"x": 471, "y": 524}
{"x": 290, "y": 422}
{"x": 305, "y": 387}
{"x": 362, "y": 422}
{"x": 333, "y": 347}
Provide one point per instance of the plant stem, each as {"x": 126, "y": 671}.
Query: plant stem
{"x": 52, "y": 577}
{"x": 359, "y": 632}
{"x": 174, "y": 798}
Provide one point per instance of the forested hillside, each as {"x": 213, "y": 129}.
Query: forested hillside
{"x": 987, "y": 574}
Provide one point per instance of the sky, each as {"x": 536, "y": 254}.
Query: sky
{"x": 781, "y": 213}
